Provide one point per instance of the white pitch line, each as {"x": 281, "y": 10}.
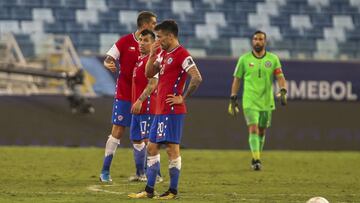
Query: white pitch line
{"x": 97, "y": 188}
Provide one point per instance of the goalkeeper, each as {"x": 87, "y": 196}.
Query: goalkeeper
{"x": 257, "y": 70}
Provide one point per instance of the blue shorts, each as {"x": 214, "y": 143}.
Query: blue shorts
{"x": 167, "y": 128}
{"x": 121, "y": 113}
{"x": 140, "y": 126}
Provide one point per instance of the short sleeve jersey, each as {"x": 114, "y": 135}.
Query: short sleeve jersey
{"x": 258, "y": 75}
{"x": 139, "y": 83}
{"x": 172, "y": 77}
{"x": 126, "y": 50}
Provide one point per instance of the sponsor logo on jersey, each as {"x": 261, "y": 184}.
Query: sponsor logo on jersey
{"x": 131, "y": 48}
{"x": 268, "y": 64}
{"x": 170, "y": 60}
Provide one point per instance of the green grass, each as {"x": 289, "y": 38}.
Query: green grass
{"x": 39, "y": 174}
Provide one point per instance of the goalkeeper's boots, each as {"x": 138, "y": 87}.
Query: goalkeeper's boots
{"x": 256, "y": 165}
{"x": 105, "y": 177}
{"x": 170, "y": 194}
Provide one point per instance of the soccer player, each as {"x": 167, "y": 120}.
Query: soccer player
{"x": 143, "y": 105}
{"x": 126, "y": 51}
{"x": 257, "y": 69}
{"x": 173, "y": 66}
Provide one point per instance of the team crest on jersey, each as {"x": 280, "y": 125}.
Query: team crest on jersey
{"x": 268, "y": 64}
{"x": 170, "y": 60}
{"x": 251, "y": 65}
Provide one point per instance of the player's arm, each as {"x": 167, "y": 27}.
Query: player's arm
{"x": 152, "y": 66}
{"x": 280, "y": 78}
{"x": 112, "y": 55}
{"x": 195, "y": 80}
{"x": 151, "y": 86}
{"x": 233, "y": 108}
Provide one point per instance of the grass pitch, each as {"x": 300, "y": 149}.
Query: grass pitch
{"x": 39, "y": 174}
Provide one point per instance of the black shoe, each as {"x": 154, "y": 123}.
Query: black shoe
{"x": 170, "y": 194}
{"x": 256, "y": 165}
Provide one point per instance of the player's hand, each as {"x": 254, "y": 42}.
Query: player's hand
{"x": 282, "y": 96}
{"x": 110, "y": 65}
{"x": 136, "y": 107}
{"x": 154, "y": 47}
{"x": 233, "y": 108}
{"x": 173, "y": 99}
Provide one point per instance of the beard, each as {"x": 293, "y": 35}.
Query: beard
{"x": 258, "y": 48}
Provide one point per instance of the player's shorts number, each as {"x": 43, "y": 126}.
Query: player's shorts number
{"x": 160, "y": 128}
{"x": 143, "y": 126}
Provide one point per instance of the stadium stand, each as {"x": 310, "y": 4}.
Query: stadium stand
{"x": 298, "y": 29}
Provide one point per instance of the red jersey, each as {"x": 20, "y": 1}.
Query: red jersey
{"x": 126, "y": 50}
{"x": 172, "y": 78}
{"x": 139, "y": 83}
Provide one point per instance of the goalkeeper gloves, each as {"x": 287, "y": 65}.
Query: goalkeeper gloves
{"x": 283, "y": 99}
{"x": 233, "y": 108}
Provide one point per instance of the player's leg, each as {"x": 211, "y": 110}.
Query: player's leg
{"x": 264, "y": 123}
{"x": 172, "y": 133}
{"x": 137, "y": 136}
{"x": 121, "y": 118}
{"x": 252, "y": 120}
{"x": 153, "y": 162}
{"x": 110, "y": 148}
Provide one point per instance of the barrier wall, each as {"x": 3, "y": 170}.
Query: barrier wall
{"x": 300, "y": 125}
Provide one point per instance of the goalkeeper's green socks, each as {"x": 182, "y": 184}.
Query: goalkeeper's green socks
{"x": 254, "y": 145}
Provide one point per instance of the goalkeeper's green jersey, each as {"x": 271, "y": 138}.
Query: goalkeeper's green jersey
{"x": 258, "y": 76}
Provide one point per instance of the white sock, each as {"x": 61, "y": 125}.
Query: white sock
{"x": 111, "y": 145}
{"x": 151, "y": 160}
{"x": 175, "y": 163}
{"x": 139, "y": 147}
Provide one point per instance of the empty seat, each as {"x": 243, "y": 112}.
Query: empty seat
{"x": 127, "y": 17}
{"x": 20, "y": 13}
{"x": 87, "y": 16}
{"x": 96, "y": 5}
{"x": 267, "y": 9}
{"x": 228, "y": 31}
{"x": 272, "y": 32}
{"x": 98, "y": 28}
{"x": 56, "y": 27}
{"x": 32, "y": 27}
{"x": 206, "y": 31}
{"x": 305, "y": 45}
{"x": 182, "y": 7}
{"x": 5, "y": 14}
{"x": 9, "y": 26}
{"x": 300, "y": 22}
{"x": 343, "y": 22}
{"x": 43, "y": 14}
{"x": 240, "y": 46}
{"x": 258, "y": 21}
{"x": 326, "y": 45}
{"x": 321, "y": 20}
{"x": 73, "y": 27}
{"x": 30, "y": 3}
{"x": 108, "y": 16}
{"x": 282, "y": 44}
{"x": 63, "y": 14}
{"x": 75, "y": 4}
{"x": 52, "y": 4}
{"x": 115, "y": 27}
{"x": 117, "y": 4}
{"x": 334, "y": 34}
{"x": 215, "y": 18}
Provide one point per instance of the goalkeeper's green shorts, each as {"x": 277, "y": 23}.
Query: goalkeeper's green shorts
{"x": 260, "y": 118}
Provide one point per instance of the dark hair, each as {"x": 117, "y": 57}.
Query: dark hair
{"x": 168, "y": 26}
{"x": 259, "y": 32}
{"x": 148, "y": 32}
{"x": 144, "y": 17}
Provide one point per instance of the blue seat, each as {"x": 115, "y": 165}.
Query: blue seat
{"x": 7, "y": 3}
{"x": 314, "y": 33}
{"x": 186, "y": 29}
{"x": 117, "y": 4}
{"x": 280, "y": 21}
{"x": 98, "y": 28}
{"x": 289, "y": 33}
{"x": 56, "y": 27}
{"x": 31, "y": 3}
{"x": 64, "y": 14}
{"x": 246, "y": 32}
{"x": 236, "y": 18}
{"x": 228, "y": 31}
{"x": 118, "y": 28}
{"x": 73, "y": 27}
{"x": 88, "y": 39}
{"x": 283, "y": 44}
{"x": 353, "y": 35}
{"x": 76, "y": 4}
{"x": 52, "y": 4}
{"x": 20, "y": 13}
{"x": 108, "y": 16}
{"x": 321, "y": 20}
{"x": 305, "y": 44}
{"x": 245, "y": 7}
{"x": 5, "y": 14}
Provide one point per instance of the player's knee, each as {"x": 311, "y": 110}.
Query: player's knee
{"x": 151, "y": 160}
{"x": 152, "y": 149}
{"x": 253, "y": 129}
{"x": 175, "y": 163}
{"x": 117, "y": 131}
{"x": 139, "y": 146}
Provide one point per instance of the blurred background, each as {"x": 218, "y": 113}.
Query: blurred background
{"x": 54, "y": 89}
